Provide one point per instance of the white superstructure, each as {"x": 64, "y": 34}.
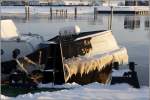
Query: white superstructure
{"x": 11, "y": 40}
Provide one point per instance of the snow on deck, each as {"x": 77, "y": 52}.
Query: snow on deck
{"x": 93, "y": 91}
{"x": 8, "y": 29}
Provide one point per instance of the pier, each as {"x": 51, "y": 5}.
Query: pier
{"x": 66, "y": 11}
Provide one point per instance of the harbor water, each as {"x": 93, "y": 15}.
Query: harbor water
{"x": 131, "y": 31}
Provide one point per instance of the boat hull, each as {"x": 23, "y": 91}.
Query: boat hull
{"x": 86, "y": 58}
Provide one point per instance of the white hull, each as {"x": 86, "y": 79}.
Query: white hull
{"x": 27, "y": 45}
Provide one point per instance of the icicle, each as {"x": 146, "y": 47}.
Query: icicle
{"x": 84, "y": 64}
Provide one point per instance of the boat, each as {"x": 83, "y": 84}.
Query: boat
{"x": 13, "y": 43}
{"x": 71, "y": 56}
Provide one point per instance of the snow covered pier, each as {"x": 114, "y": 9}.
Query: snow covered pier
{"x": 80, "y": 9}
{"x": 124, "y": 9}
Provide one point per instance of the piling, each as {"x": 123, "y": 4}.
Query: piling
{"x": 95, "y": 13}
{"x": 110, "y": 24}
{"x": 27, "y": 12}
{"x": 60, "y": 13}
{"x": 75, "y": 13}
{"x": 51, "y": 13}
{"x": 66, "y": 13}
{"x": 56, "y": 12}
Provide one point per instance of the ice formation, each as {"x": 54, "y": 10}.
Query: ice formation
{"x": 103, "y": 51}
{"x": 85, "y": 64}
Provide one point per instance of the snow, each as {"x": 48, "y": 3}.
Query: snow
{"x": 119, "y": 72}
{"x": 7, "y": 27}
{"x": 69, "y": 30}
{"x": 93, "y": 91}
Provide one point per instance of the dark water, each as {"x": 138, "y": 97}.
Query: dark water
{"x": 131, "y": 31}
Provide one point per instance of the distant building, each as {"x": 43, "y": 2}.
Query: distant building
{"x": 113, "y": 3}
{"x": 137, "y": 2}
{"x": 51, "y": 2}
{"x": 76, "y": 2}
{"x": 12, "y": 2}
{"x": 19, "y": 2}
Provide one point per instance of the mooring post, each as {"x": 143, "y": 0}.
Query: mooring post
{"x": 75, "y": 13}
{"x": 110, "y": 25}
{"x": 62, "y": 12}
{"x": 27, "y": 11}
{"x": 56, "y": 12}
{"x": 59, "y": 12}
{"x": 95, "y": 13}
{"x": 66, "y": 13}
{"x": 51, "y": 13}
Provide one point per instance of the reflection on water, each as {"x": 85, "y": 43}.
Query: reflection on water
{"x": 133, "y": 22}
{"x": 130, "y": 31}
{"x": 147, "y": 23}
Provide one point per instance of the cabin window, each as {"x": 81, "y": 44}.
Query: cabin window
{"x": 2, "y": 51}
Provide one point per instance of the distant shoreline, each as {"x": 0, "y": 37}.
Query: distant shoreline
{"x": 51, "y": 5}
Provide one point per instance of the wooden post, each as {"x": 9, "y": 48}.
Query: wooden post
{"x": 59, "y": 12}
{"x": 110, "y": 24}
{"x": 56, "y": 12}
{"x": 66, "y": 13}
{"x": 95, "y": 13}
{"x": 62, "y": 12}
{"x": 27, "y": 12}
{"x": 75, "y": 13}
{"x": 51, "y": 13}
{"x": 149, "y": 7}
